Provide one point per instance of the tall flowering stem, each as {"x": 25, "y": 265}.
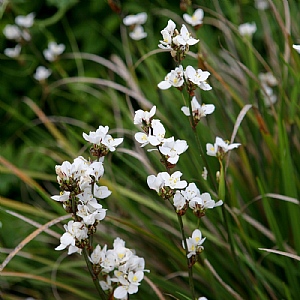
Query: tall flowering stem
{"x": 81, "y": 194}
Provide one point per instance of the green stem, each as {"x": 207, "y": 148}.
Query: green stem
{"x": 94, "y": 277}
{"x": 190, "y": 268}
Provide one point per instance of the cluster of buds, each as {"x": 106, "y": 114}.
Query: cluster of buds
{"x": 190, "y": 77}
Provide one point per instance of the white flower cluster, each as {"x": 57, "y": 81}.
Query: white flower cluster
{"x": 164, "y": 183}
{"x": 121, "y": 269}
{"x": 191, "y": 197}
{"x": 268, "y": 81}
{"x": 79, "y": 184}
{"x": 194, "y": 243}
{"x": 136, "y": 22}
{"x": 220, "y": 147}
{"x": 19, "y": 33}
{"x": 176, "y": 42}
{"x": 192, "y": 77}
{"x": 154, "y": 134}
{"x": 80, "y": 191}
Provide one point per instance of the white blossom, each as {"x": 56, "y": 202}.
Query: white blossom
{"x": 203, "y": 202}
{"x": 101, "y": 137}
{"x": 197, "y": 77}
{"x": 155, "y": 182}
{"x": 247, "y": 29}
{"x": 142, "y": 116}
{"x": 42, "y": 73}
{"x": 196, "y": 18}
{"x": 220, "y": 147}
{"x": 194, "y": 243}
{"x": 137, "y": 19}
{"x": 184, "y": 38}
{"x": 25, "y": 21}
{"x": 98, "y": 255}
{"x": 172, "y": 149}
{"x": 179, "y": 201}
{"x": 74, "y": 231}
{"x": 13, "y": 52}
{"x": 198, "y": 110}
{"x": 138, "y": 33}
{"x": 174, "y": 78}
{"x": 157, "y": 133}
{"x": 64, "y": 196}
{"x": 12, "y": 32}
{"x": 173, "y": 181}
{"x": 53, "y": 51}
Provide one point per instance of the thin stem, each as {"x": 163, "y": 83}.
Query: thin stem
{"x": 190, "y": 268}
{"x": 94, "y": 277}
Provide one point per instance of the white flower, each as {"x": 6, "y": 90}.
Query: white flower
{"x": 142, "y": 116}
{"x": 220, "y": 147}
{"x": 247, "y": 29}
{"x": 167, "y": 34}
{"x": 196, "y": 18}
{"x": 261, "y": 4}
{"x": 179, "y": 201}
{"x": 194, "y": 243}
{"x": 191, "y": 192}
{"x": 12, "y": 32}
{"x": 173, "y": 181}
{"x": 203, "y": 202}
{"x": 197, "y": 77}
{"x": 138, "y": 33}
{"x": 297, "y": 48}
{"x": 184, "y": 38}
{"x": 25, "y": 21}
{"x": 129, "y": 285}
{"x": 172, "y": 149}
{"x": 137, "y": 19}
{"x": 101, "y": 192}
{"x": 157, "y": 133}
{"x": 13, "y": 52}
{"x": 53, "y": 51}
{"x": 174, "y": 78}
{"x": 74, "y": 231}
{"x": 100, "y": 137}
{"x": 64, "y": 196}
{"x": 155, "y": 182}
{"x": 142, "y": 138}
{"x": 198, "y": 110}
{"x": 42, "y": 73}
